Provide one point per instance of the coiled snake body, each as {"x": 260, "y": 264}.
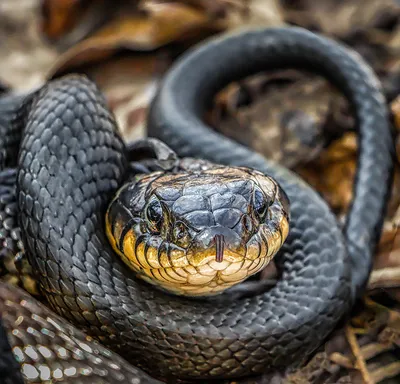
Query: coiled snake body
{"x": 71, "y": 161}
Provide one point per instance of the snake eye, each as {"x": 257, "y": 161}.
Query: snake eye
{"x": 260, "y": 203}
{"x": 154, "y": 215}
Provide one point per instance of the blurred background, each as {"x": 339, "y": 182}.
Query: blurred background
{"x": 295, "y": 118}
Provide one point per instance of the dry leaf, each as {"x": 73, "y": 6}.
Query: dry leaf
{"x": 232, "y": 14}
{"x": 339, "y": 18}
{"x": 60, "y": 16}
{"x": 145, "y": 25}
{"x": 288, "y": 117}
{"x": 332, "y": 175}
{"x": 337, "y": 165}
{"x": 370, "y": 27}
{"x": 161, "y": 24}
{"x": 395, "y": 108}
{"x": 24, "y": 57}
{"x": 129, "y": 84}
{"x": 253, "y": 13}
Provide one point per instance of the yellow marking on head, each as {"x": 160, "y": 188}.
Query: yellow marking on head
{"x": 193, "y": 271}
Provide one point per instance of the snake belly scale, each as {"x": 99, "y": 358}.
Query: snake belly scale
{"x": 72, "y": 161}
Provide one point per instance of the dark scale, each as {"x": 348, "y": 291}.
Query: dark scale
{"x": 14, "y": 265}
{"x": 66, "y": 129}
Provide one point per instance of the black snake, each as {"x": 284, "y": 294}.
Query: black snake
{"x": 71, "y": 161}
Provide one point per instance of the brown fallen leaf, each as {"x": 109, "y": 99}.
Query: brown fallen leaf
{"x": 287, "y": 116}
{"x": 253, "y": 13}
{"x": 370, "y": 27}
{"x": 160, "y": 24}
{"x": 60, "y": 16}
{"x": 337, "y": 165}
{"x": 349, "y": 16}
{"x": 25, "y": 58}
{"x": 216, "y": 9}
{"x": 395, "y": 108}
{"x": 234, "y": 14}
{"x": 106, "y": 26}
{"x": 129, "y": 84}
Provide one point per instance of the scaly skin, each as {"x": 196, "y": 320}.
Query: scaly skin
{"x": 200, "y": 229}
{"x": 71, "y": 162}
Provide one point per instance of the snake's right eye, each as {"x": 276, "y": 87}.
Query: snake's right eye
{"x": 154, "y": 215}
{"x": 260, "y": 203}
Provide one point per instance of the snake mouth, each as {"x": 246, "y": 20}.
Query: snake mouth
{"x": 207, "y": 280}
{"x": 215, "y": 245}
{"x": 200, "y": 270}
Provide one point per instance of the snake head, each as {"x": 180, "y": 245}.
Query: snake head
{"x": 198, "y": 232}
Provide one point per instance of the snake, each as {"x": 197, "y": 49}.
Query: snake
{"x": 70, "y": 173}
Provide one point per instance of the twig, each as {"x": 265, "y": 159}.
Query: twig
{"x": 361, "y": 365}
{"x": 385, "y": 278}
{"x": 373, "y": 349}
{"x": 390, "y": 370}
{"x": 341, "y": 360}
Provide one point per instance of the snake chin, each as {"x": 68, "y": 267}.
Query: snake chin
{"x": 198, "y": 233}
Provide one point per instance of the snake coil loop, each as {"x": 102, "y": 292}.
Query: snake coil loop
{"x": 72, "y": 161}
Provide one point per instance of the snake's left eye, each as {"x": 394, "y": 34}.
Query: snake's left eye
{"x": 154, "y": 215}
{"x": 260, "y": 203}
